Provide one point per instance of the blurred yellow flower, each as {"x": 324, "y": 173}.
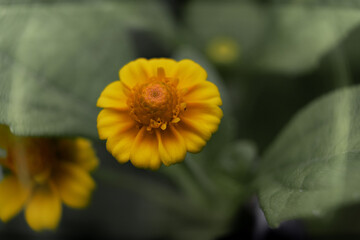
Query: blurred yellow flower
{"x": 159, "y": 110}
{"x": 43, "y": 173}
{"x": 223, "y": 50}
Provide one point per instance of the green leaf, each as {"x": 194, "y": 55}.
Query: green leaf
{"x": 313, "y": 165}
{"x": 301, "y": 34}
{"x": 288, "y": 37}
{"x": 56, "y": 57}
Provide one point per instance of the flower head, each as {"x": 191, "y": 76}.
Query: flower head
{"x": 43, "y": 173}
{"x": 159, "y": 110}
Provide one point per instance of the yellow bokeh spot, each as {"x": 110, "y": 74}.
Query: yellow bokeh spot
{"x": 223, "y": 50}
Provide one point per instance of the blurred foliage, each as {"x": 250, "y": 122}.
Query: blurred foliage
{"x": 313, "y": 166}
{"x": 286, "y": 37}
{"x": 56, "y": 57}
{"x": 268, "y": 58}
{"x": 207, "y": 21}
{"x": 309, "y": 30}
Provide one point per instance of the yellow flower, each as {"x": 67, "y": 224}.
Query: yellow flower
{"x": 159, "y": 110}
{"x": 43, "y": 173}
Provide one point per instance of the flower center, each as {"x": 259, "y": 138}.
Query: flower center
{"x": 32, "y": 159}
{"x": 155, "y": 95}
{"x": 157, "y": 102}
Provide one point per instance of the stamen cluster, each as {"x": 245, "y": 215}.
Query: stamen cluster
{"x": 156, "y": 103}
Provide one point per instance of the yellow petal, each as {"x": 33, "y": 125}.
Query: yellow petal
{"x": 85, "y": 154}
{"x": 169, "y": 66}
{"x": 172, "y": 148}
{"x": 4, "y": 136}
{"x": 203, "y": 92}
{"x": 12, "y": 197}
{"x": 120, "y": 144}
{"x": 135, "y": 71}
{"x": 111, "y": 122}
{"x": 43, "y": 210}
{"x": 194, "y": 142}
{"x": 120, "y": 130}
{"x": 144, "y": 152}
{"x": 189, "y": 73}
{"x": 74, "y": 184}
{"x": 202, "y": 118}
{"x": 114, "y": 96}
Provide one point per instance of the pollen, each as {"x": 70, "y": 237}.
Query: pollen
{"x": 156, "y": 103}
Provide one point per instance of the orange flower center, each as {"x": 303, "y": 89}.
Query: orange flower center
{"x": 157, "y": 102}
{"x": 32, "y": 159}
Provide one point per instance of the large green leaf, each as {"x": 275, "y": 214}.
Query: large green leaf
{"x": 286, "y": 37}
{"x": 313, "y": 166}
{"x": 301, "y": 34}
{"x": 57, "y": 56}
